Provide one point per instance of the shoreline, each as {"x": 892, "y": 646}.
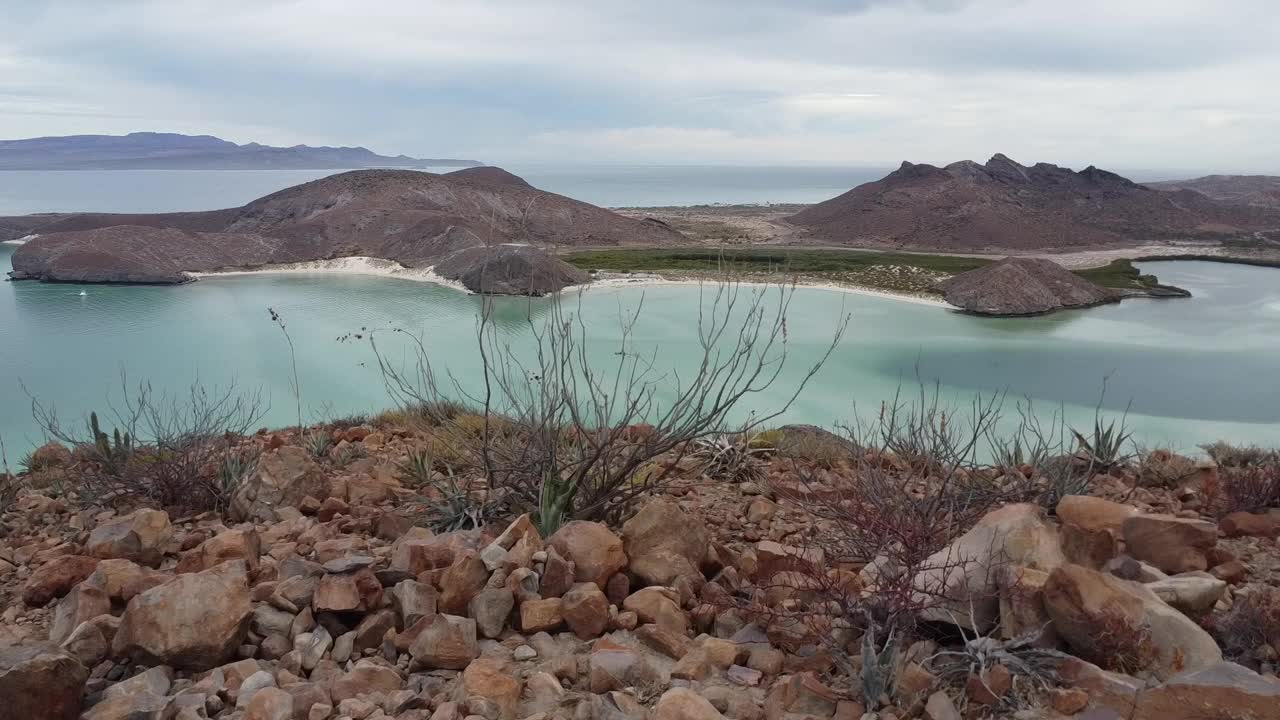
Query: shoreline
{"x": 20, "y": 241}
{"x": 377, "y": 267}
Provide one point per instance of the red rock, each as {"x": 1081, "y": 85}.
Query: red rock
{"x": 1224, "y": 690}
{"x": 1173, "y": 544}
{"x": 1094, "y": 514}
{"x": 464, "y": 579}
{"x": 540, "y": 615}
{"x": 56, "y": 578}
{"x": 773, "y": 558}
{"x": 662, "y": 542}
{"x": 595, "y": 551}
{"x": 585, "y": 610}
{"x": 1068, "y": 701}
{"x": 39, "y": 682}
{"x": 684, "y": 704}
{"x": 139, "y": 536}
{"x": 989, "y": 687}
{"x": 1232, "y": 571}
{"x": 444, "y": 642}
{"x": 1241, "y": 524}
{"x": 490, "y": 678}
{"x": 664, "y": 641}
{"x": 655, "y": 605}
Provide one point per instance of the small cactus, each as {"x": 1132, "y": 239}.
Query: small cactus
{"x": 114, "y": 450}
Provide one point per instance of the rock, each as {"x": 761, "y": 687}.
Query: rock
{"x": 139, "y": 536}
{"x": 656, "y": 605}
{"x": 464, "y": 579}
{"x": 1122, "y": 625}
{"x": 801, "y": 694}
{"x": 87, "y": 643}
{"x": 1068, "y": 701}
{"x": 56, "y": 577}
{"x": 1022, "y": 610}
{"x": 364, "y": 679}
{"x": 965, "y": 572}
{"x": 133, "y": 706}
{"x": 760, "y": 510}
{"x": 744, "y": 676}
{"x": 684, "y": 704}
{"x": 40, "y": 682}
{"x": 586, "y": 610}
{"x": 491, "y": 608}
{"x": 283, "y": 478}
{"x": 940, "y": 707}
{"x": 1222, "y": 690}
{"x": 120, "y": 580}
{"x": 594, "y": 550}
{"x": 412, "y": 601}
{"x": 509, "y": 269}
{"x": 1093, "y": 514}
{"x": 1023, "y": 286}
{"x": 1193, "y": 593}
{"x": 662, "y": 542}
{"x": 612, "y": 667}
{"x": 1114, "y": 691}
{"x": 311, "y": 646}
{"x": 348, "y": 563}
{"x": 540, "y": 615}
{"x": 270, "y": 704}
{"x": 84, "y": 603}
{"x": 372, "y": 629}
{"x": 490, "y": 678}
{"x": 445, "y": 642}
{"x": 773, "y": 558}
{"x": 991, "y": 686}
{"x": 1245, "y": 524}
{"x": 1172, "y": 544}
{"x": 359, "y": 591}
{"x": 664, "y": 641}
{"x": 196, "y": 621}
{"x": 558, "y": 575}
{"x": 267, "y": 620}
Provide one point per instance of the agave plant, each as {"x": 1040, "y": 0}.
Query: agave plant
{"x": 419, "y": 468}
{"x": 1105, "y": 448}
{"x": 318, "y": 443}
{"x": 877, "y": 673}
{"x": 730, "y": 458}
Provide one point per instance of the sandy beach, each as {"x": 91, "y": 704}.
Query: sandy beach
{"x": 378, "y": 267}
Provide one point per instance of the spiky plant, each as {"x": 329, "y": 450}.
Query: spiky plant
{"x": 877, "y": 675}
{"x": 730, "y": 458}
{"x": 317, "y": 443}
{"x": 1104, "y": 449}
{"x": 418, "y": 470}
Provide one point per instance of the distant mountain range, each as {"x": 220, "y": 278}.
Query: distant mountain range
{"x": 171, "y": 151}
{"x": 1003, "y": 205}
{"x": 1260, "y": 190}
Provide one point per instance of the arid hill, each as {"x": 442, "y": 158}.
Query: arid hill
{"x": 413, "y": 218}
{"x": 509, "y": 270}
{"x": 1003, "y": 205}
{"x": 1258, "y": 190}
{"x": 1023, "y": 286}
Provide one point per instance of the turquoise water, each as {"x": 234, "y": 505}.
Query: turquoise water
{"x": 1187, "y": 371}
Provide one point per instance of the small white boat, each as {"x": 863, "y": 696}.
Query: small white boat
{"x": 83, "y": 293}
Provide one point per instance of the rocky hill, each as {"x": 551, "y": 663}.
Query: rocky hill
{"x": 1257, "y": 190}
{"x": 172, "y": 151}
{"x": 413, "y": 218}
{"x": 1023, "y": 286}
{"x": 1002, "y": 205}
{"x": 509, "y": 270}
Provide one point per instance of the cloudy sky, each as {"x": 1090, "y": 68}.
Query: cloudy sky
{"x": 1186, "y": 84}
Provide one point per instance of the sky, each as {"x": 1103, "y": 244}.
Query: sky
{"x": 1187, "y": 84}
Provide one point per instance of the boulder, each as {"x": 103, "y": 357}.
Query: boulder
{"x": 464, "y": 579}
{"x": 491, "y": 679}
{"x": 586, "y": 610}
{"x": 270, "y": 704}
{"x": 412, "y": 601}
{"x": 662, "y": 542}
{"x": 84, "y": 603}
{"x": 40, "y": 682}
{"x": 658, "y": 606}
{"x": 801, "y": 694}
{"x": 87, "y": 643}
{"x": 56, "y": 577}
{"x": 684, "y": 704}
{"x": 1193, "y": 593}
{"x": 364, "y": 679}
{"x": 540, "y": 615}
{"x": 139, "y": 536}
{"x": 195, "y": 622}
{"x": 491, "y": 607}
{"x": 1246, "y": 524}
{"x": 284, "y": 477}
{"x": 120, "y": 580}
{"x": 1221, "y": 690}
{"x": 1093, "y": 514}
{"x": 1172, "y": 544}
{"x": 966, "y": 573}
{"x": 229, "y": 545}
{"x": 359, "y": 591}
{"x": 773, "y": 558}
{"x": 594, "y": 550}
{"x": 444, "y": 642}
{"x": 1121, "y": 625}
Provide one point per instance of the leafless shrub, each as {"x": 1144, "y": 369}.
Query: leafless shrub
{"x": 9, "y": 484}
{"x": 166, "y": 449}
{"x": 1228, "y": 455}
{"x": 730, "y": 458}
{"x": 567, "y": 437}
{"x": 1251, "y": 624}
{"x": 1250, "y": 488}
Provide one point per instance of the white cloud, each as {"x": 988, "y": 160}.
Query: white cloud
{"x": 1144, "y": 83}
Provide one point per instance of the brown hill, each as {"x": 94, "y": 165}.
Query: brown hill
{"x": 509, "y": 270}
{"x": 1003, "y": 205}
{"x": 413, "y": 218}
{"x": 1258, "y": 190}
{"x": 1023, "y": 286}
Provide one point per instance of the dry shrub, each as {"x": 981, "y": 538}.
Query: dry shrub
{"x": 171, "y": 450}
{"x": 1252, "y": 623}
{"x": 1164, "y": 469}
{"x": 1228, "y": 455}
{"x": 1250, "y": 489}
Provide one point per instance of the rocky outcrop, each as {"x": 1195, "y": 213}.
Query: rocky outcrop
{"x": 662, "y": 542}
{"x": 283, "y": 478}
{"x": 509, "y": 270}
{"x": 1002, "y": 205}
{"x": 1258, "y": 190}
{"x": 416, "y": 219}
{"x": 1023, "y": 286}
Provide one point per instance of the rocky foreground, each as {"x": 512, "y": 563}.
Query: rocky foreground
{"x": 318, "y": 594}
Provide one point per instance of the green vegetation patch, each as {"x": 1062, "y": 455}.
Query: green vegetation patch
{"x": 1123, "y": 275}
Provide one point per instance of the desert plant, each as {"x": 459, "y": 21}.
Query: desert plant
{"x": 877, "y": 675}
{"x": 318, "y": 442}
{"x": 348, "y": 454}
{"x": 1251, "y": 488}
{"x": 553, "y": 430}
{"x": 730, "y": 458}
{"x": 1229, "y": 455}
{"x": 234, "y": 469}
{"x": 1252, "y": 623}
{"x": 1104, "y": 449}
{"x": 419, "y": 469}
{"x": 162, "y": 444}
{"x": 455, "y": 506}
